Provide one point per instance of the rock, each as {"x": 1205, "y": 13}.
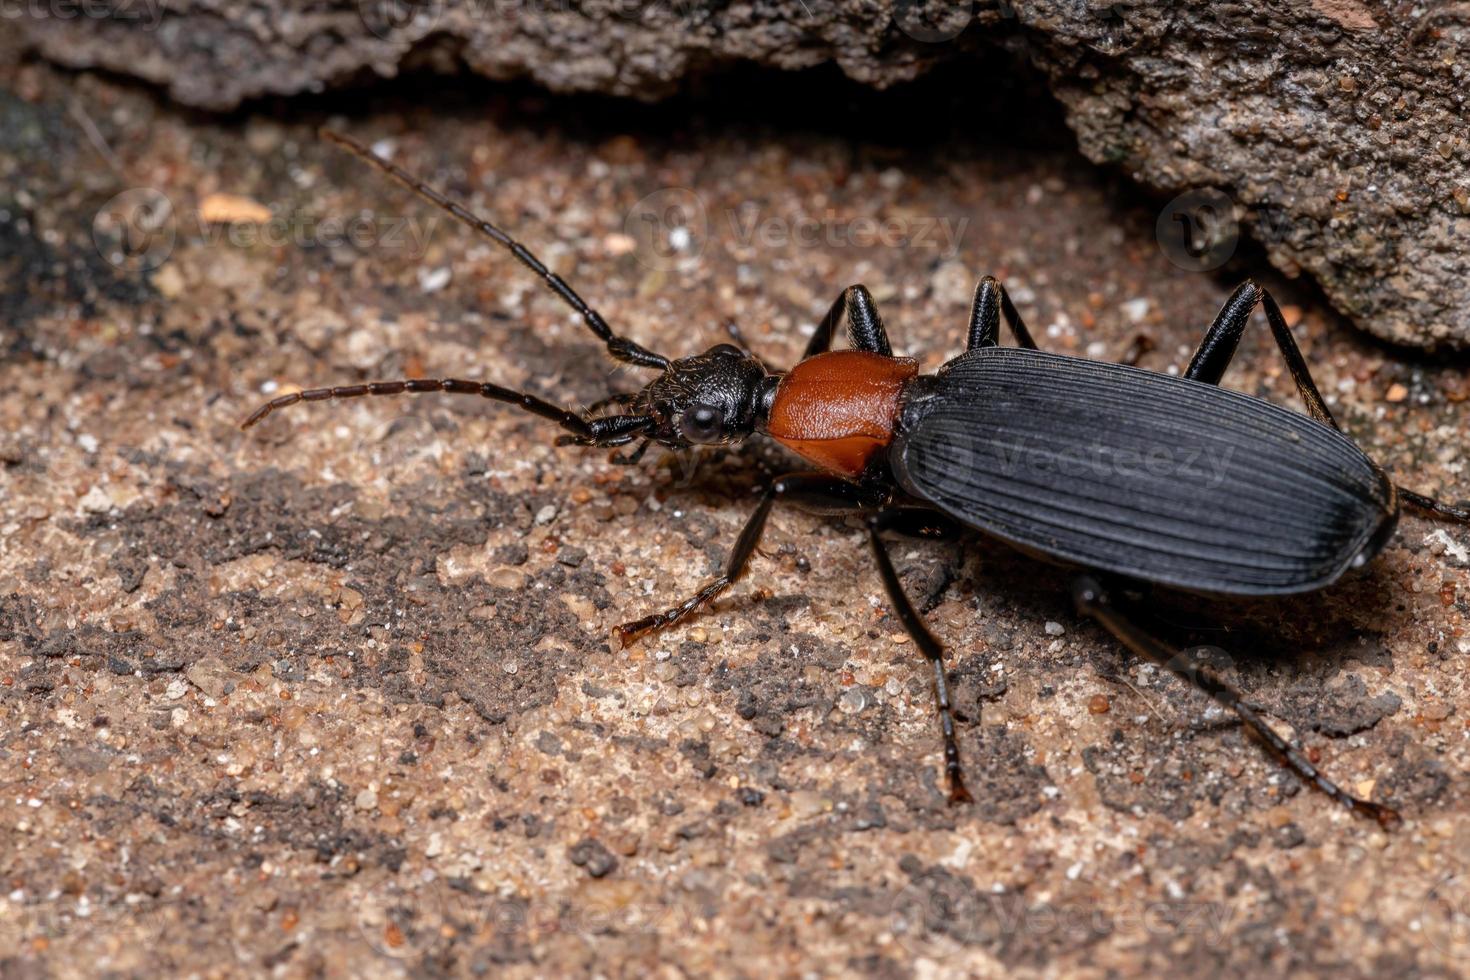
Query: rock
{"x": 211, "y": 676}
{"x": 1331, "y": 132}
{"x": 611, "y": 46}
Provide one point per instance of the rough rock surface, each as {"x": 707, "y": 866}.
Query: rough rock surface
{"x": 335, "y": 696}
{"x": 1333, "y": 131}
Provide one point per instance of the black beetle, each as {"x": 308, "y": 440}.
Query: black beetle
{"x": 1134, "y": 476}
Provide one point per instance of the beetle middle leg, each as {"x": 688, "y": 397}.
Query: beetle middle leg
{"x": 1094, "y": 602}
{"x": 931, "y": 648}
{"x": 815, "y": 492}
{"x": 990, "y": 304}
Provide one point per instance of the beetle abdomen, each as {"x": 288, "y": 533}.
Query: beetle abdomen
{"x": 1142, "y": 474}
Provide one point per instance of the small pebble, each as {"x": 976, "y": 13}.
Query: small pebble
{"x": 433, "y": 280}
{"x": 506, "y": 577}
{"x": 1098, "y": 704}
{"x": 1396, "y": 393}
{"x": 546, "y": 514}
{"x": 1053, "y": 628}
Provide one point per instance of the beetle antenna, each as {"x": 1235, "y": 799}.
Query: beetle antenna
{"x": 620, "y": 348}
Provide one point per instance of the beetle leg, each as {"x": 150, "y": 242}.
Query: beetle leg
{"x": 607, "y": 430}
{"x": 816, "y": 492}
{"x": 1218, "y": 347}
{"x": 1220, "y": 343}
{"x": 921, "y": 522}
{"x": 1454, "y": 512}
{"x": 620, "y": 458}
{"x": 932, "y": 649}
{"x": 1093, "y": 601}
{"x": 991, "y": 303}
{"x": 864, "y": 326}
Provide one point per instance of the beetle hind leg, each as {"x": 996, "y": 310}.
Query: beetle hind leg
{"x": 1452, "y": 512}
{"x": 1218, "y": 349}
{"x": 1094, "y": 602}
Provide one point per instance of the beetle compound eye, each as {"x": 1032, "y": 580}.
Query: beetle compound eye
{"x": 703, "y": 423}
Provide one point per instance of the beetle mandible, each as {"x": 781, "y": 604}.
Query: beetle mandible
{"x": 1130, "y": 475}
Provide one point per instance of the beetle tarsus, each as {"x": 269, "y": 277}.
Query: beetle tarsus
{"x": 958, "y": 795}
{"x": 629, "y": 633}
{"x": 1459, "y": 511}
{"x": 1093, "y": 601}
{"x": 1388, "y": 818}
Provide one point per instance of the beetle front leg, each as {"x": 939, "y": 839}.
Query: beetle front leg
{"x": 816, "y": 492}
{"x": 1094, "y": 602}
{"x": 865, "y": 330}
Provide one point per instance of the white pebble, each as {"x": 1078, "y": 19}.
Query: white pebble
{"x": 433, "y": 280}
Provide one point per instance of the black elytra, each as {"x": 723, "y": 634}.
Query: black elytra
{"x": 1134, "y": 477}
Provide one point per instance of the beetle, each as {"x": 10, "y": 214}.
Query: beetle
{"x": 1134, "y": 477}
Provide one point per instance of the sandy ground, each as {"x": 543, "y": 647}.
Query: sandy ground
{"x": 336, "y": 696}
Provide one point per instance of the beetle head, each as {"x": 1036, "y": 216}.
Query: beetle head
{"x": 710, "y": 399}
